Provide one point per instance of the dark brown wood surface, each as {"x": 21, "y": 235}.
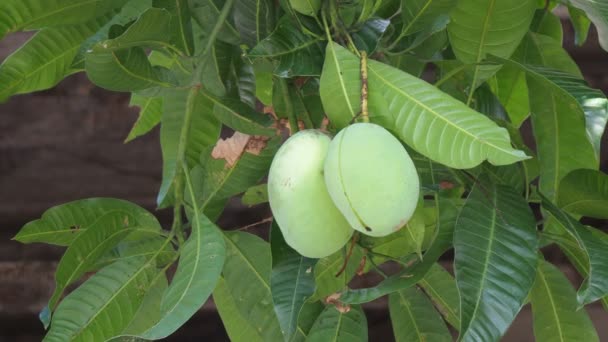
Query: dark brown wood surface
{"x": 67, "y": 143}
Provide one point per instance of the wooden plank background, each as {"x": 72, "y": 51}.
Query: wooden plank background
{"x": 67, "y": 143}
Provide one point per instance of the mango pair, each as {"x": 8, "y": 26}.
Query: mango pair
{"x": 319, "y": 189}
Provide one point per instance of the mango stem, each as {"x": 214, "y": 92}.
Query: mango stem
{"x": 364, "y": 89}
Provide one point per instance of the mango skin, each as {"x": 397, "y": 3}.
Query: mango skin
{"x": 371, "y": 179}
{"x": 310, "y": 222}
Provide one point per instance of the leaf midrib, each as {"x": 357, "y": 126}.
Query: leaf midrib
{"x": 255, "y": 271}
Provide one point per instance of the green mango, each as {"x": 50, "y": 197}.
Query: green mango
{"x": 310, "y": 222}
{"x": 371, "y": 179}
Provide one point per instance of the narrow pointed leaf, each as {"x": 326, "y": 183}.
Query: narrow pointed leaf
{"x": 447, "y": 213}
{"x": 236, "y": 325}
{"x": 255, "y": 195}
{"x": 435, "y": 124}
{"x": 299, "y": 54}
{"x": 291, "y": 282}
{"x": 581, "y": 25}
{"x": 307, "y": 317}
{"x": 200, "y": 265}
{"x": 151, "y": 30}
{"x": 418, "y": 15}
{"x": 60, "y": 225}
{"x": 326, "y": 269}
{"x": 128, "y": 14}
{"x": 187, "y": 128}
{"x": 254, "y": 19}
{"x": 340, "y": 86}
{"x": 17, "y": 15}
{"x": 441, "y": 288}
{"x": 123, "y": 70}
{"x": 335, "y": 326}
{"x": 495, "y": 258}
{"x": 414, "y": 318}
{"x": 307, "y": 7}
{"x": 247, "y": 279}
{"x": 180, "y": 28}
{"x": 88, "y": 247}
{"x": 113, "y": 295}
{"x": 554, "y": 309}
{"x": 496, "y": 27}
{"x": 218, "y": 177}
{"x": 542, "y": 50}
{"x": 595, "y": 285}
{"x": 240, "y": 117}
{"x": 584, "y": 192}
{"x": 597, "y": 11}
{"x": 45, "y": 59}
{"x": 150, "y": 110}
{"x": 207, "y": 12}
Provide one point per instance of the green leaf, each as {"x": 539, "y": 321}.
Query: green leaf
{"x": 149, "y": 311}
{"x": 238, "y": 328}
{"x": 414, "y": 318}
{"x": 326, "y": 269}
{"x": 223, "y": 173}
{"x": 88, "y": 247}
{"x": 255, "y": 195}
{"x": 559, "y": 129}
{"x": 577, "y": 255}
{"x": 495, "y": 227}
{"x": 299, "y": 54}
{"x": 308, "y": 315}
{"x": 180, "y": 28}
{"x": 247, "y": 278}
{"x": 187, "y": 128}
{"x": 200, "y": 266}
{"x": 368, "y": 36}
{"x": 581, "y": 25}
{"x": 149, "y": 115}
{"x": 17, "y": 15}
{"x": 595, "y": 285}
{"x": 435, "y": 124}
{"x": 307, "y": 7}
{"x": 151, "y": 30}
{"x": 490, "y": 27}
{"x": 213, "y": 68}
{"x": 254, "y": 19}
{"x": 540, "y": 50}
{"x": 592, "y": 101}
{"x": 45, "y": 59}
{"x": 60, "y": 225}
{"x": 418, "y": 15}
{"x": 584, "y": 192}
{"x": 128, "y": 14}
{"x": 105, "y": 304}
{"x": 447, "y": 213}
{"x": 597, "y": 11}
{"x": 145, "y": 243}
{"x": 510, "y": 87}
{"x": 440, "y": 286}
{"x": 123, "y": 70}
{"x": 549, "y": 24}
{"x": 340, "y": 87}
{"x": 291, "y": 282}
{"x": 554, "y": 309}
{"x": 207, "y": 12}
{"x": 335, "y": 326}
{"x": 240, "y": 117}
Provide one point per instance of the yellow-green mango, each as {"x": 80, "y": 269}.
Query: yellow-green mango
{"x": 310, "y": 222}
{"x": 371, "y": 179}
